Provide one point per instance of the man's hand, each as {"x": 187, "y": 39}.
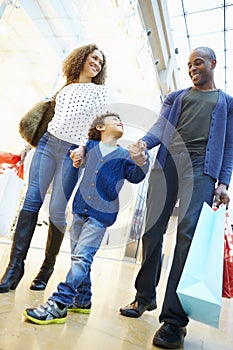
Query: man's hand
{"x": 77, "y": 156}
{"x": 221, "y": 196}
{"x": 137, "y": 152}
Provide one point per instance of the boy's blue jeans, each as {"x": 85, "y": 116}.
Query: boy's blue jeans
{"x": 51, "y": 162}
{"x": 86, "y": 236}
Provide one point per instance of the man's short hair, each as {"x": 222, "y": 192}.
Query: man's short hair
{"x": 209, "y": 52}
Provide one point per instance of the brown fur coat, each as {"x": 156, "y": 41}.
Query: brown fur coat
{"x": 35, "y": 122}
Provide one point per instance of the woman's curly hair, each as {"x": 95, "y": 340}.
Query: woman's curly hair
{"x": 93, "y": 133}
{"x": 75, "y": 61}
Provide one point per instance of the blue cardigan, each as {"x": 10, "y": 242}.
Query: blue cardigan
{"x": 219, "y": 150}
{"x": 97, "y": 194}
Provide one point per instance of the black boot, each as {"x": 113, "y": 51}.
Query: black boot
{"x": 21, "y": 242}
{"x": 54, "y": 241}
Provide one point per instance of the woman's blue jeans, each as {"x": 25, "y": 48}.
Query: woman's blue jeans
{"x": 86, "y": 236}
{"x": 182, "y": 178}
{"x": 51, "y": 163}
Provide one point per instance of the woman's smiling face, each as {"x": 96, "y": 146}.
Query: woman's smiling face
{"x": 93, "y": 64}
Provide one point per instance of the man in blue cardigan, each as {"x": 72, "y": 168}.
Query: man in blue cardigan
{"x": 95, "y": 207}
{"x": 193, "y": 164}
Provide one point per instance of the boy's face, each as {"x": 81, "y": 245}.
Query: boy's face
{"x": 113, "y": 126}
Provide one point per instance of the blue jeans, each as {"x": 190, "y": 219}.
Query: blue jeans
{"x": 86, "y": 236}
{"x": 183, "y": 179}
{"x": 51, "y": 163}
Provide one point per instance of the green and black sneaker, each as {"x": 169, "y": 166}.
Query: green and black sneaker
{"x": 82, "y": 309}
{"x": 46, "y": 313}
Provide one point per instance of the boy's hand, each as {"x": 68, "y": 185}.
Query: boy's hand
{"x": 77, "y": 156}
{"x": 137, "y": 152}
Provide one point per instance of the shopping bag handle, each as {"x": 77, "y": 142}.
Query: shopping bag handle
{"x": 11, "y": 161}
{"x": 9, "y": 158}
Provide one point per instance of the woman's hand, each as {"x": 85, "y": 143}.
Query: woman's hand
{"x": 23, "y": 153}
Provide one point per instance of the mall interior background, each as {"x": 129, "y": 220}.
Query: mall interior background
{"x": 135, "y": 36}
{"x": 146, "y": 44}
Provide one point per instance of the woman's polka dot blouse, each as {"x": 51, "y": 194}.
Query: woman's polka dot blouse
{"x": 76, "y": 107}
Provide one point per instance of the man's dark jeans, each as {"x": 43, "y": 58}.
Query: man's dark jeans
{"x": 183, "y": 179}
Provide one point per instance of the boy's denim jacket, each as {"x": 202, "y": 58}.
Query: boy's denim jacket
{"x": 219, "y": 150}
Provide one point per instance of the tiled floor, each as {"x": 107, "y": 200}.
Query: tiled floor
{"x": 104, "y": 328}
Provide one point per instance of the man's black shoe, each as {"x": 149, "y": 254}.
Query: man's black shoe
{"x": 136, "y": 309}
{"x": 169, "y": 336}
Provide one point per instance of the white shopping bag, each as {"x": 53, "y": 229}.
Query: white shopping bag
{"x": 11, "y": 185}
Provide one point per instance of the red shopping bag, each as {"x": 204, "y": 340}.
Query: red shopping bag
{"x": 227, "y": 290}
{"x": 11, "y": 185}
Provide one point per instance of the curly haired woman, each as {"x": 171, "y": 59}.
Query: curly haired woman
{"x": 76, "y": 106}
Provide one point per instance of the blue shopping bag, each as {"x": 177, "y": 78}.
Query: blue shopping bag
{"x": 200, "y": 286}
